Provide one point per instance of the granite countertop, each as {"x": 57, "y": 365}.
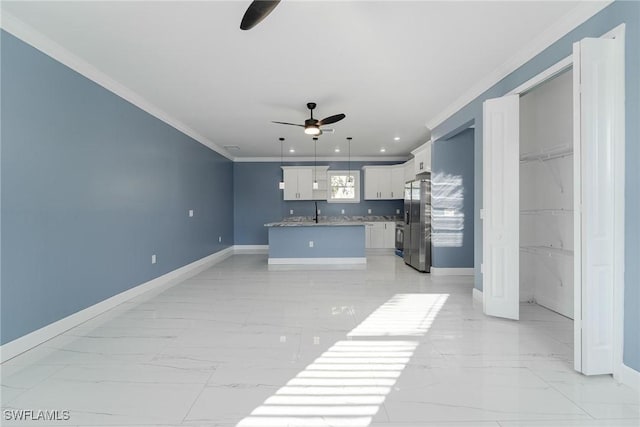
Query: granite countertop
{"x": 308, "y": 221}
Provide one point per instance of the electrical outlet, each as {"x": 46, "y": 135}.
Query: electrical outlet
{"x": 283, "y": 338}
{"x": 342, "y": 211}
{"x": 153, "y": 259}
{"x": 397, "y": 211}
{"x": 290, "y": 211}
{"x": 369, "y": 211}
{"x": 190, "y": 212}
{"x": 310, "y": 243}
{"x": 318, "y": 211}
{"x": 219, "y": 239}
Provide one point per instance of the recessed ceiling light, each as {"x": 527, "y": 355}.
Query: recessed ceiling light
{"x": 337, "y": 150}
{"x": 382, "y": 150}
{"x": 397, "y": 138}
{"x": 291, "y": 150}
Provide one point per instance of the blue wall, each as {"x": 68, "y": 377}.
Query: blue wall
{"x": 452, "y": 160}
{"x": 619, "y": 12}
{"x": 328, "y": 242}
{"x": 257, "y": 199}
{"x": 92, "y": 186}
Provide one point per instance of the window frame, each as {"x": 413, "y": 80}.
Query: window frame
{"x": 356, "y": 185}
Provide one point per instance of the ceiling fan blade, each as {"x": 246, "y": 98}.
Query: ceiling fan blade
{"x": 291, "y": 124}
{"x": 256, "y": 12}
{"x": 331, "y": 119}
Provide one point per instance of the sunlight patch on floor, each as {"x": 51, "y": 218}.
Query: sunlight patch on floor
{"x": 346, "y": 385}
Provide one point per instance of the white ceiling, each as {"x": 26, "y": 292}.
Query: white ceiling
{"x": 390, "y": 66}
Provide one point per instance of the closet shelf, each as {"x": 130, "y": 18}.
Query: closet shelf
{"x": 546, "y": 250}
{"x": 551, "y": 153}
{"x": 546, "y": 212}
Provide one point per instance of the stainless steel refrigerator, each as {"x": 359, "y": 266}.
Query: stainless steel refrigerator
{"x": 417, "y": 229}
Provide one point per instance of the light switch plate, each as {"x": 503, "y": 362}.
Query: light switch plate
{"x": 369, "y": 211}
{"x": 153, "y": 259}
{"x": 290, "y": 211}
{"x": 310, "y": 243}
{"x": 342, "y": 211}
{"x": 219, "y": 239}
{"x": 190, "y": 212}
{"x": 397, "y": 211}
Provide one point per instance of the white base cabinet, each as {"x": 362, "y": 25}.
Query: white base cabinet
{"x": 380, "y": 235}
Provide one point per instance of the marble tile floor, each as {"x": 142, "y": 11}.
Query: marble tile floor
{"x": 242, "y": 344}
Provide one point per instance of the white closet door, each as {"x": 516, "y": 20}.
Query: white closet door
{"x": 500, "y": 226}
{"x": 599, "y": 69}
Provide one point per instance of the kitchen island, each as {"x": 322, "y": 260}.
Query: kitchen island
{"x": 325, "y": 242}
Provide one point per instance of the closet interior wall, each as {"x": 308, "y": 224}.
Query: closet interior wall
{"x": 546, "y": 195}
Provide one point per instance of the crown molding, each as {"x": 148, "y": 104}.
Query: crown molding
{"x": 578, "y": 15}
{"x": 39, "y": 41}
{"x": 321, "y": 159}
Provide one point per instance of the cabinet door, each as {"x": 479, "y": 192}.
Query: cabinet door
{"x": 290, "y": 184}
{"x": 305, "y": 184}
{"x": 422, "y": 159}
{"x": 427, "y": 156}
{"x": 397, "y": 182}
{"x": 371, "y": 178}
{"x": 367, "y": 234}
{"x": 389, "y": 235}
{"x": 409, "y": 171}
{"x": 384, "y": 183}
{"x": 377, "y": 235}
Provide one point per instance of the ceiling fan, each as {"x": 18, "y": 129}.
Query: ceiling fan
{"x": 312, "y": 126}
{"x": 256, "y": 12}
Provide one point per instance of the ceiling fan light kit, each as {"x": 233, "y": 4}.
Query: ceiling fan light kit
{"x": 312, "y": 130}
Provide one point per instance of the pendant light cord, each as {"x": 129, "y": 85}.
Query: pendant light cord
{"x": 349, "y": 158}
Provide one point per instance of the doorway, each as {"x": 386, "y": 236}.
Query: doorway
{"x": 598, "y": 201}
{"x": 546, "y": 195}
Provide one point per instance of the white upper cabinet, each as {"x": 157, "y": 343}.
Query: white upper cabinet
{"x": 377, "y": 183}
{"x": 298, "y": 183}
{"x": 422, "y": 158}
{"x": 409, "y": 170}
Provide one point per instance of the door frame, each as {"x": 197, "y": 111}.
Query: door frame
{"x": 619, "y": 178}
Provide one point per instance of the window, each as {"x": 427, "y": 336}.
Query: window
{"x": 344, "y": 186}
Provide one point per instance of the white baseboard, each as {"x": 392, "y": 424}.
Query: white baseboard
{"x": 37, "y": 337}
{"x": 477, "y": 295}
{"x": 317, "y": 261}
{"x": 439, "y": 271}
{"x": 251, "y": 249}
{"x": 628, "y": 376}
